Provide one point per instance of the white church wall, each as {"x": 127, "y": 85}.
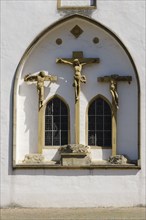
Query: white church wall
{"x": 21, "y": 23}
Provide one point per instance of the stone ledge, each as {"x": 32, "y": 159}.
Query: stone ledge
{"x": 47, "y": 166}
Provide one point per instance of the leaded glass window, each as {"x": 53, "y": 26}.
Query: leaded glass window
{"x": 99, "y": 123}
{"x": 56, "y": 123}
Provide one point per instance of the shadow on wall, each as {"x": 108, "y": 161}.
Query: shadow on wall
{"x": 30, "y": 109}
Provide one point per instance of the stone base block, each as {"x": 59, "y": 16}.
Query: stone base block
{"x": 75, "y": 159}
{"x": 118, "y": 159}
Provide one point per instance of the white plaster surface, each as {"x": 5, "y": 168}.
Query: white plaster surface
{"x": 100, "y": 154}
{"x": 21, "y": 23}
{"x": 51, "y": 154}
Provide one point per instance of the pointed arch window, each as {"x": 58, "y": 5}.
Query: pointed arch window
{"x": 56, "y": 123}
{"x": 99, "y": 123}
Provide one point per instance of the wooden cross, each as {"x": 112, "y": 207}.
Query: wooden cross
{"x": 39, "y": 79}
{"x": 77, "y": 62}
{"x": 113, "y": 80}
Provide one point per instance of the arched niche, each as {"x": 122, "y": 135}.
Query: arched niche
{"x": 95, "y": 40}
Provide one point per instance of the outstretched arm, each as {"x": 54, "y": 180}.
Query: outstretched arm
{"x": 82, "y": 64}
{"x": 59, "y": 60}
{"x": 90, "y": 61}
{"x": 51, "y": 78}
{"x": 30, "y": 78}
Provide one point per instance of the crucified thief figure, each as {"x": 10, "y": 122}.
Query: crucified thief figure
{"x": 40, "y": 78}
{"x": 113, "y": 90}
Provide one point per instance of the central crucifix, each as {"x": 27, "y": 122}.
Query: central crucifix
{"x": 77, "y": 62}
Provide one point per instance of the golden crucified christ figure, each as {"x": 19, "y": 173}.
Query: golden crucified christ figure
{"x": 78, "y": 77}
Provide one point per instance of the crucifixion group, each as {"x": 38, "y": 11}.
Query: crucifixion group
{"x": 77, "y": 62}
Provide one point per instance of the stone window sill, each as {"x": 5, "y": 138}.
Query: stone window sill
{"x": 92, "y": 166}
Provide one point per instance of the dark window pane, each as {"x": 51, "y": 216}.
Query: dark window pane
{"x": 93, "y": 2}
{"x": 64, "y": 137}
{"x": 56, "y": 106}
{"x": 107, "y": 123}
{"x": 56, "y": 138}
{"x": 56, "y": 134}
{"x": 63, "y": 109}
{"x": 92, "y": 109}
{"x": 48, "y": 138}
{"x": 91, "y": 122}
{"x": 49, "y": 108}
{"x": 91, "y": 138}
{"x": 99, "y": 107}
{"x": 107, "y": 138}
{"x": 48, "y": 123}
{"x": 99, "y": 138}
{"x": 56, "y": 123}
{"x": 99, "y": 123}
{"x": 107, "y": 109}
{"x": 64, "y": 123}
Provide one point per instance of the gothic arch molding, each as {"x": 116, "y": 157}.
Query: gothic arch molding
{"x": 40, "y": 37}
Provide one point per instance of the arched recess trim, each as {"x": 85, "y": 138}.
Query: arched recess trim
{"x": 34, "y": 44}
{"x": 99, "y": 96}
